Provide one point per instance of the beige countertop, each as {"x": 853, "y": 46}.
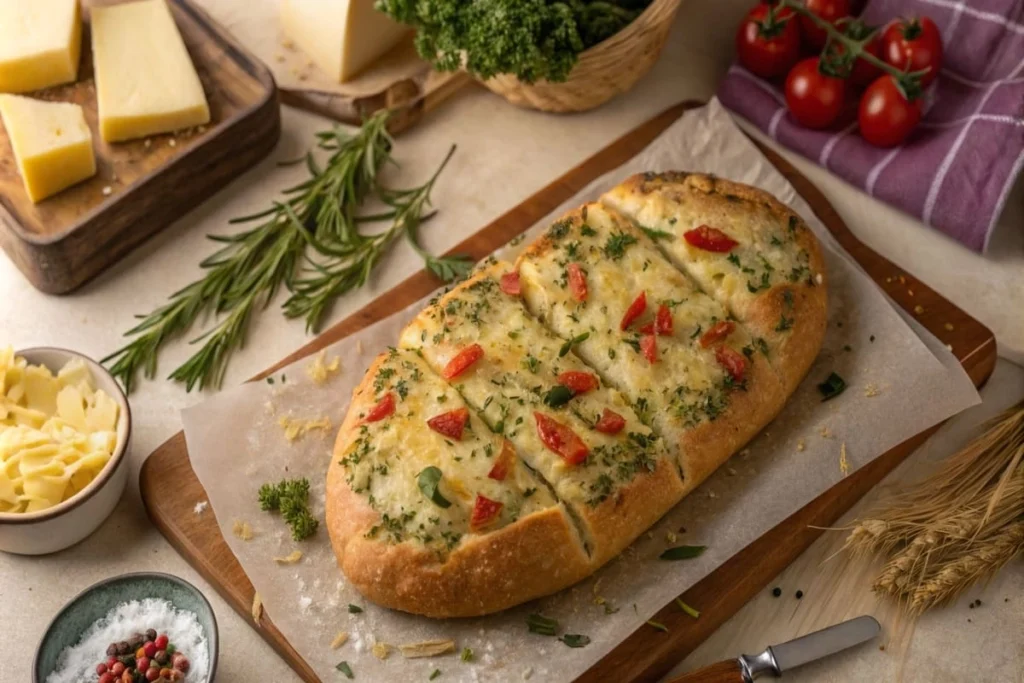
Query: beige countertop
{"x": 513, "y": 152}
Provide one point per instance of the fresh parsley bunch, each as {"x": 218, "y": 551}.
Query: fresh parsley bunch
{"x": 531, "y": 39}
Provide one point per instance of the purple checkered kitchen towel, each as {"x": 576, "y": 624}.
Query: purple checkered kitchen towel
{"x": 956, "y": 169}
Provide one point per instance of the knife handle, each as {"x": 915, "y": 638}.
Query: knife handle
{"x": 728, "y": 671}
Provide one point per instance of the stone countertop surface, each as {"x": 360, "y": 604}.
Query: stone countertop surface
{"x": 511, "y": 153}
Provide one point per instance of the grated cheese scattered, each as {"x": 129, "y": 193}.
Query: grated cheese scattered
{"x": 824, "y": 431}
{"x": 844, "y": 464}
{"x": 257, "y": 608}
{"x": 949, "y": 327}
{"x": 871, "y": 391}
{"x": 242, "y": 530}
{"x": 427, "y": 648}
{"x": 381, "y": 650}
{"x": 800, "y": 445}
{"x": 339, "y": 640}
{"x": 293, "y": 557}
{"x": 296, "y": 428}
{"x": 919, "y": 309}
{"x": 320, "y": 370}
{"x": 148, "y": 143}
{"x": 671, "y": 537}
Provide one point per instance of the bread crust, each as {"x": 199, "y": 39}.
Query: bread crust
{"x": 795, "y": 349}
{"x": 536, "y": 555}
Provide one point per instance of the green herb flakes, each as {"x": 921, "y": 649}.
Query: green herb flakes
{"x": 429, "y": 481}
{"x": 558, "y": 396}
{"x": 567, "y": 346}
{"x": 686, "y": 608}
{"x": 832, "y": 387}
{"x": 683, "y": 552}
{"x": 657, "y": 625}
{"x": 575, "y": 640}
{"x": 656, "y": 234}
{"x": 467, "y": 655}
{"x": 344, "y": 668}
{"x": 436, "y": 673}
{"x": 538, "y": 623}
{"x": 354, "y": 609}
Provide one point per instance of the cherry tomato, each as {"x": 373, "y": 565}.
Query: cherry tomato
{"x": 383, "y": 408}
{"x": 504, "y": 463}
{"x": 485, "y": 511}
{"x": 886, "y": 117}
{"x": 462, "y": 360}
{"x": 829, "y": 10}
{"x": 634, "y": 311}
{"x": 716, "y": 333}
{"x": 649, "y": 347}
{"x": 710, "y": 239}
{"x": 577, "y": 282}
{"x": 663, "y": 321}
{"x": 578, "y": 382}
{"x": 510, "y": 283}
{"x": 733, "y": 362}
{"x": 912, "y": 45}
{"x": 768, "y": 41}
{"x": 450, "y": 424}
{"x": 814, "y": 99}
{"x": 561, "y": 439}
{"x": 610, "y": 422}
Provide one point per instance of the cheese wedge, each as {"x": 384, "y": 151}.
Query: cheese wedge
{"x": 51, "y": 141}
{"x": 342, "y": 37}
{"x": 145, "y": 80}
{"x": 40, "y": 41}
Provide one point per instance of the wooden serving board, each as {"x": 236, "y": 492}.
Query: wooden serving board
{"x": 141, "y": 186}
{"x": 642, "y": 656}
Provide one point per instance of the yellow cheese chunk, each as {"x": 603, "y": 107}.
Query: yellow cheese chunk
{"x": 145, "y": 80}
{"x": 52, "y": 143}
{"x": 342, "y": 37}
{"x": 40, "y": 41}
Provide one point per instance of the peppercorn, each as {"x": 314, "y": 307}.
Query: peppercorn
{"x": 112, "y": 649}
{"x": 150, "y": 634}
{"x": 123, "y": 648}
{"x": 799, "y": 594}
{"x": 776, "y": 591}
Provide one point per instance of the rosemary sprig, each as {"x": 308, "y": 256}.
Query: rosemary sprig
{"x": 316, "y": 222}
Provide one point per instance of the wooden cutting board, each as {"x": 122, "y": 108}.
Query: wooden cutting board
{"x": 141, "y": 186}
{"x": 645, "y": 655}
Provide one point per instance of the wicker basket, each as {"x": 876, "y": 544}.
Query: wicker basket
{"x": 603, "y": 71}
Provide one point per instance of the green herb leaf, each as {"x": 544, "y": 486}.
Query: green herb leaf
{"x": 575, "y": 640}
{"x": 567, "y": 346}
{"x": 656, "y": 234}
{"x": 436, "y": 673}
{"x": 344, "y": 668}
{"x": 558, "y": 396}
{"x": 615, "y": 247}
{"x": 354, "y": 609}
{"x": 657, "y": 625}
{"x": 683, "y": 552}
{"x": 686, "y": 608}
{"x": 832, "y": 387}
{"x": 538, "y": 623}
{"x": 429, "y": 480}
{"x": 467, "y": 655}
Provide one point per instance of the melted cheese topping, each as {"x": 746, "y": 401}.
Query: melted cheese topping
{"x": 686, "y": 385}
{"x": 521, "y": 363}
{"x": 385, "y": 460}
{"x": 767, "y": 255}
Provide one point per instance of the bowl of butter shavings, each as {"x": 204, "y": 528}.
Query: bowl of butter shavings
{"x": 65, "y": 425}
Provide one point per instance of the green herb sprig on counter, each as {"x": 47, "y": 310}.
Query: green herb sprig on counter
{"x": 532, "y": 39}
{"x": 290, "y": 497}
{"x": 309, "y": 242}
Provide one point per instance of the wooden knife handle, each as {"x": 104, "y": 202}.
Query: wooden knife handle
{"x": 723, "y": 672}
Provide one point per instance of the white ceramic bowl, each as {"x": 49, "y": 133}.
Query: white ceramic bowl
{"x": 63, "y": 525}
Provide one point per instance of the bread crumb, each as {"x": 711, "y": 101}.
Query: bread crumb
{"x": 910, "y": 292}
{"x": 242, "y": 530}
{"x": 671, "y": 537}
{"x": 287, "y": 43}
{"x": 200, "y": 507}
{"x": 172, "y": 142}
{"x": 339, "y": 640}
{"x": 381, "y": 650}
{"x": 107, "y": 191}
{"x": 949, "y": 347}
{"x": 527, "y": 673}
{"x": 257, "y": 608}
{"x": 731, "y": 471}
{"x": 320, "y": 370}
{"x": 359, "y": 346}
{"x": 279, "y": 57}
{"x": 919, "y": 309}
{"x": 871, "y": 391}
{"x": 819, "y": 278}
{"x": 427, "y": 648}
{"x": 295, "y": 428}
{"x": 825, "y": 433}
{"x": 712, "y": 494}
{"x": 949, "y": 327}
{"x": 844, "y": 464}
{"x": 292, "y": 557}
{"x": 201, "y": 129}
{"x": 902, "y": 280}
{"x": 148, "y": 143}
{"x": 800, "y": 445}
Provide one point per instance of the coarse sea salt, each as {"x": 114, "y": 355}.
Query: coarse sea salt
{"x": 77, "y": 664}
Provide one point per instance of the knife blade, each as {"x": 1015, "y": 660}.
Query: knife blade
{"x": 778, "y": 659}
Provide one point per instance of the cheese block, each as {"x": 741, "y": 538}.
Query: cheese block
{"x": 342, "y": 37}
{"x": 51, "y": 141}
{"x": 522, "y": 381}
{"x": 145, "y": 80}
{"x": 698, "y": 378}
{"x": 40, "y": 42}
{"x": 429, "y": 511}
{"x": 772, "y": 277}
{"x": 614, "y": 367}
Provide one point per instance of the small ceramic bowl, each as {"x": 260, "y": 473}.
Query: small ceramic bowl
{"x": 97, "y": 600}
{"x": 67, "y": 523}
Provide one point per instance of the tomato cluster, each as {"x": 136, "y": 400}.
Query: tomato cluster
{"x": 824, "y": 74}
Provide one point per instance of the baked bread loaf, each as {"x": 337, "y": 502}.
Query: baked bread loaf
{"x": 537, "y": 418}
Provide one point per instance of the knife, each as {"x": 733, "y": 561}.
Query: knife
{"x": 778, "y": 659}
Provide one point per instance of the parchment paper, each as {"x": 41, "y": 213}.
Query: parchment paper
{"x": 236, "y": 443}
{"x": 256, "y": 24}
